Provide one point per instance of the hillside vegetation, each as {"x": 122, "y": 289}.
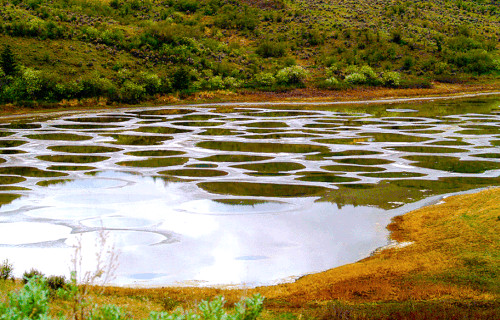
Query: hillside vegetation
{"x": 128, "y": 51}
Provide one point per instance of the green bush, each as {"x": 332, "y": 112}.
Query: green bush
{"x": 95, "y": 85}
{"x": 216, "y": 83}
{"x": 496, "y": 64}
{"x": 69, "y": 90}
{"x": 6, "y": 270}
{"x": 27, "y": 275}
{"x": 268, "y": 49}
{"x": 8, "y": 61}
{"x": 332, "y": 70}
{"x": 356, "y": 78}
{"x": 231, "y": 83}
{"x": 312, "y": 38}
{"x": 28, "y": 85}
{"x": 332, "y": 81}
{"x": 463, "y": 44}
{"x": 234, "y": 17}
{"x": 371, "y": 76}
{"x": 55, "y": 283}
{"x": 151, "y": 82}
{"x": 31, "y": 302}
{"x": 108, "y": 312}
{"x": 291, "y": 75}
{"x": 248, "y": 309}
{"x": 131, "y": 92}
{"x": 391, "y": 79}
{"x": 32, "y": 82}
{"x": 182, "y": 78}
{"x": 441, "y": 68}
{"x": 187, "y": 5}
{"x": 265, "y": 79}
{"x": 475, "y": 61}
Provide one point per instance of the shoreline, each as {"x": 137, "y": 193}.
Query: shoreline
{"x": 333, "y": 284}
{"x": 297, "y": 97}
{"x": 391, "y": 244}
{"x": 393, "y": 275}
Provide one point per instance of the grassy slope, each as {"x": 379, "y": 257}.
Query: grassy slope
{"x": 449, "y": 270}
{"x": 454, "y": 255}
{"x": 95, "y": 40}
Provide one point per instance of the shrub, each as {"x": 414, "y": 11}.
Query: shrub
{"x": 216, "y": 82}
{"x": 496, "y": 64}
{"x": 408, "y": 63}
{"x": 291, "y": 75}
{"x": 368, "y": 72}
{"x": 131, "y": 92}
{"x": 397, "y": 37}
{"x": 332, "y": 70}
{"x": 27, "y": 275}
{"x": 181, "y": 78}
{"x": 68, "y": 90}
{"x": 392, "y": 79}
{"x": 6, "y": 270}
{"x": 248, "y": 309}
{"x": 312, "y": 37}
{"x": 356, "y": 78}
{"x": 31, "y": 82}
{"x": 151, "y": 82}
{"x": 108, "y": 312}
{"x": 55, "y": 283}
{"x": 232, "y": 17}
{"x": 474, "y": 61}
{"x": 265, "y": 79}
{"x": 231, "y": 82}
{"x": 269, "y": 49}
{"x": 351, "y": 69}
{"x": 8, "y": 61}
{"x": 463, "y": 43}
{"x": 441, "y": 68}
{"x": 187, "y": 5}
{"x": 332, "y": 81}
{"x": 31, "y": 302}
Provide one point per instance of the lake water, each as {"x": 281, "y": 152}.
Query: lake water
{"x": 224, "y": 195}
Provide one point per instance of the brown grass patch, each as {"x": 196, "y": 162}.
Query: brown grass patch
{"x": 444, "y": 236}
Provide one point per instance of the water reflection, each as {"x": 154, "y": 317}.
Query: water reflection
{"x": 293, "y": 191}
{"x": 182, "y": 234}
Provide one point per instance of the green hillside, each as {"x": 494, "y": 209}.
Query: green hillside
{"x": 130, "y": 50}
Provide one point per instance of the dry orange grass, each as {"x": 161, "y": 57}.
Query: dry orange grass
{"x": 443, "y": 236}
{"x": 368, "y": 93}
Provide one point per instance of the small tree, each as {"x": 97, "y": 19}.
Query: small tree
{"x": 8, "y": 61}
{"x": 181, "y": 78}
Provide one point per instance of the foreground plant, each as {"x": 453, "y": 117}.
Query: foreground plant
{"x": 31, "y": 302}
{"x": 6, "y": 270}
{"x": 247, "y": 309}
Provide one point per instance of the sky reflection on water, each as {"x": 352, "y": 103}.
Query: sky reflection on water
{"x": 276, "y": 205}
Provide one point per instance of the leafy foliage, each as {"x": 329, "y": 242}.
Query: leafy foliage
{"x": 291, "y": 75}
{"x": 27, "y": 275}
{"x": 8, "y": 61}
{"x": 6, "y": 270}
{"x": 32, "y": 302}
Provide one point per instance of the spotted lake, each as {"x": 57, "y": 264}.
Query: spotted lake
{"x": 220, "y": 194}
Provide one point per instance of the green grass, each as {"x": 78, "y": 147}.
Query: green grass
{"x": 129, "y": 51}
